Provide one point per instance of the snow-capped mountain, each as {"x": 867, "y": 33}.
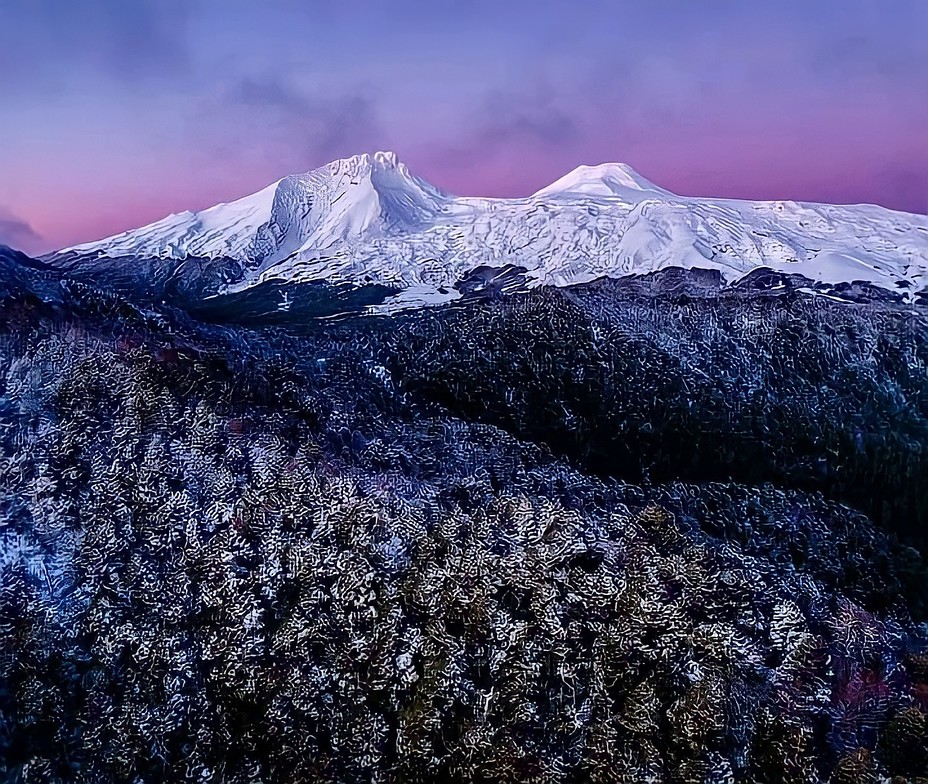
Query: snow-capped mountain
{"x": 366, "y": 219}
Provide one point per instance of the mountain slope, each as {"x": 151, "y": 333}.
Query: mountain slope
{"x": 367, "y": 220}
{"x": 342, "y": 200}
{"x": 372, "y": 552}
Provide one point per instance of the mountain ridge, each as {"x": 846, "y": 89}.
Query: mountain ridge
{"x": 367, "y": 219}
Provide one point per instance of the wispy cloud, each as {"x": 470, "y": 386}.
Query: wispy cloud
{"x": 122, "y": 40}
{"x": 16, "y": 232}
{"x": 534, "y": 114}
{"x": 271, "y": 122}
{"x": 860, "y": 56}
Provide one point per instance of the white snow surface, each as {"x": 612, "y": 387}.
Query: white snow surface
{"x": 366, "y": 219}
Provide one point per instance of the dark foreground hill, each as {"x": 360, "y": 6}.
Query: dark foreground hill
{"x": 635, "y": 531}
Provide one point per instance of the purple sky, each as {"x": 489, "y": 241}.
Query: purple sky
{"x": 117, "y": 112}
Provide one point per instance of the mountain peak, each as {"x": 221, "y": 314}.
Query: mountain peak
{"x": 382, "y": 171}
{"x": 604, "y": 179}
{"x": 386, "y": 158}
{"x": 381, "y": 160}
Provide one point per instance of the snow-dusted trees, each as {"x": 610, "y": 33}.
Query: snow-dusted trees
{"x": 223, "y": 562}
